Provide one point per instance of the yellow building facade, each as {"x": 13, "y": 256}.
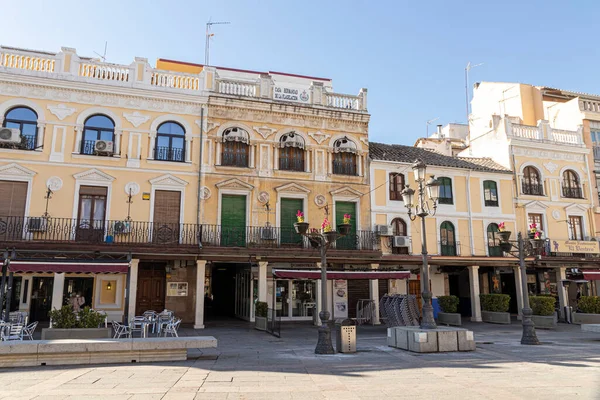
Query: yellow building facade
{"x": 129, "y": 179}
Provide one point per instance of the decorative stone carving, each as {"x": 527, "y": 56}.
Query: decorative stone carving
{"x": 234, "y": 183}
{"x": 292, "y": 188}
{"x": 211, "y": 125}
{"x": 556, "y": 214}
{"x": 61, "y": 111}
{"x": 54, "y": 183}
{"x": 16, "y": 170}
{"x": 263, "y": 197}
{"x": 550, "y": 166}
{"x": 133, "y": 188}
{"x": 364, "y": 140}
{"x": 319, "y": 136}
{"x": 94, "y": 175}
{"x": 168, "y": 180}
{"x": 264, "y": 131}
{"x": 136, "y": 118}
{"x": 320, "y": 200}
{"x": 205, "y": 193}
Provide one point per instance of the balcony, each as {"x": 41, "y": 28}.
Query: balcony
{"x": 15, "y": 231}
{"x": 543, "y": 132}
{"x": 139, "y": 74}
{"x": 533, "y": 189}
{"x": 572, "y": 192}
{"x": 165, "y": 153}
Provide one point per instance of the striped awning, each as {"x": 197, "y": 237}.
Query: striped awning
{"x": 69, "y": 267}
{"x": 592, "y": 274}
{"x": 348, "y": 275}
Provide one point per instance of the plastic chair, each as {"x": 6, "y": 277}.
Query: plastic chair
{"x": 120, "y": 330}
{"x": 29, "y": 329}
{"x": 172, "y": 328}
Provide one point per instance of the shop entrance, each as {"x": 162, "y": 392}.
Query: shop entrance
{"x": 509, "y": 288}
{"x": 41, "y": 298}
{"x": 151, "y": 288}
{"x": 460, "y": 287}
{"x": 83, "y": 287}
{"x": 231, "y": 293}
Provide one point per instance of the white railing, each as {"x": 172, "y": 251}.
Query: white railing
{"x": 175, "y": 81}
{"x": 236, "y": 88}
{"x": 109, "y": 72}
{"x": 589, "y": 105}
{"x": 343, "y": 101}
{"x": 567, "y": 137}
{"x": 526, "y": 132}
{"x": 29, "y": 62}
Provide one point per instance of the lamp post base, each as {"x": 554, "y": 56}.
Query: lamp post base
{"x": 529, "y": 335}
{"x": 427, "y": 321}
{"x": 324, "y": 344}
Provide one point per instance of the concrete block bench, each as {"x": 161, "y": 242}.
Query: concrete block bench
{"x": 595, "y": 328}
{"x": 99, "y": 351}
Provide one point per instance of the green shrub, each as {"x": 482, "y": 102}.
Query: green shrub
{"x": 542, "y": 305}
{"x": 494, "y": 302}
{"x": 589, "y": 304}
{"x": 448, "y": 304}
{"x": 261, "y": 309}
{"x": 65, "y": 318}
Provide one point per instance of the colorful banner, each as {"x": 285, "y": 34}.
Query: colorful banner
{"x": 574, "y": 246}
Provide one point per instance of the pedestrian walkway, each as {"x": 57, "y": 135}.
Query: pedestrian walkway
{"x": 249, "y": 364}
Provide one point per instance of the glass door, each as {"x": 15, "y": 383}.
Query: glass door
{"x": 41, "y": 298}
{"x": 303, "y": 298}
{"x": 282, "y": 298}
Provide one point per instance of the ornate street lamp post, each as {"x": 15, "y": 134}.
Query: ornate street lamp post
{"x": 529, "y": 336}
{"x": 323, "y": 240}
{"x": 422, "y": 209}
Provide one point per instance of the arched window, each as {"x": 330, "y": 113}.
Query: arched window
{"x": 445, "y": 191}
{"x": 490, "y": 193}
{"x": 570, "y": 185}
{"x": 235, "y": 150}
{"x": 25, "y": 120}
{"x": 170, "y": 142}
{"x": 447, "y": 239}
{"x": 291, "y": 152}
{"x": 494, "y": 249}
{"x": 344, "y": 157}
{"x": 399, "y": 227}
{"x": 97, "y": 127}
{"x": 532, "y": 182}
{"x": 396, "y": 186}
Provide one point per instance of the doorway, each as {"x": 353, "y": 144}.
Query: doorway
{"x": 459, "y": 284}
{"x": 41, "y": 298}
{"x": 151, "y": 288}
{"x": 222, "y": 283}
{"x": 82, "y": 286}
{"x": 507, "y": 281}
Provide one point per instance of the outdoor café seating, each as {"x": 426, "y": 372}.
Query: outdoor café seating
{"x": 150, "y": 323}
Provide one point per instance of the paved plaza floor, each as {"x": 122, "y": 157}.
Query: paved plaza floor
{"x": 249, "y": 364}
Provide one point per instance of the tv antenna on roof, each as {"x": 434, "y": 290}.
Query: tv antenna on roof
{"x": 103, "y": 56}
{"x": 429, "y": 123}
{"x": 209, "y": 24}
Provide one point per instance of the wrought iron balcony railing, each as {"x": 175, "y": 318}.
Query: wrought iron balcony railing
{"x": 572, "y": 192}
{"x": 138, "y": 233}
{"x": 534, "y": 189}
{"x": 165, "y": 153}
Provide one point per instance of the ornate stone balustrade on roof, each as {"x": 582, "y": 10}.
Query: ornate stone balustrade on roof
{"x": 543, "y": 132}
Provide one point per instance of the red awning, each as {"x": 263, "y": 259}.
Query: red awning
{"x": 593, "y": 274}
{"x": 72, "y": 267}
{"x": 316, "y": 274}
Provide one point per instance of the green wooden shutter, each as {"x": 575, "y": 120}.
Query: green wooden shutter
{"x": 287, "y": 219}
{"x": 233, "y": 221}
{"x": 350, "y": 241}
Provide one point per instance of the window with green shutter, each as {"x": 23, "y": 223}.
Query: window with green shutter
{"x": 494, "y": 249}
{"x": 490, "y": 193}
{"x": 350, "y": 241}
{"x": 445, "y": 191}
{"x": 287, "y": 219}
{"x": 233, "y": 221}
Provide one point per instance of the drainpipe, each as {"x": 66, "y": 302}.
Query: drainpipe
{"x": 472, "y": 240}
{"x": 516, "y": 185}
{"x": 591, "y": 194}
{"x": 198, "y": 219}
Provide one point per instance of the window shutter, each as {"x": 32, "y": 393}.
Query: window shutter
{"x": 166, "y": 206}
{"x": 13, "y": 196}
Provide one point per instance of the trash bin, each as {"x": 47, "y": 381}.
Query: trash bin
{"x": 345, "y": 336}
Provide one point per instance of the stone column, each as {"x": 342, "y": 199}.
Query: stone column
{"x": 133, "y": 281}
{"x": 200, "y": 275}
{"x": 563, "y": 298}
{"x": 262, "y": 281}
{"x": 57, "y": 291}
{"x": 519, "y": 289}
{"x": 474, "y": 288}
{"x": 374, "y": 292}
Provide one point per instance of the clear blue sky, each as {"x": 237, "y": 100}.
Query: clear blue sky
{"x": 411, "y": 55}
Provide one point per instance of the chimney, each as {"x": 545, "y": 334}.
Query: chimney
{"x": 439, "y": 130}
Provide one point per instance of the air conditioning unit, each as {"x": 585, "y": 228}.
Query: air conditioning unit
{"x": 37, "y": 224}
{"x": 10, "y": 135}
{"x": 121, "y": 227}
{"x": 267, "y": 233}
{"x": 103, "y": 146}
{"x": 401, "y": 241}
{"x": 384, "y": 230}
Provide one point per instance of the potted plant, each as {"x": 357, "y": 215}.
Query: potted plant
{"x": 300, "y": 226}
{"x": 449, "y": 314}
{"x": 503, "y": 233}
{"x": 495, "y": 308}
{"x": 328, "y": 231}
{"x": 65, "y": 324}
{"x": 260, "y": 315}
{"x": 588, "y": 310}
{"x": 344, "y": 227}
{"x": 535, "y": 236}
{"x": 543, "y": 316}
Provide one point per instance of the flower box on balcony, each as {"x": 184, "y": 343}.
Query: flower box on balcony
{"x": 344, "y": 229}
{"x": 301, "y": 227}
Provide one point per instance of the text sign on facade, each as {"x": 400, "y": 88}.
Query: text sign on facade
{"x": 177, "y": 289}
{"x": 574, "y": 246}
{"x": 291, "y": 94}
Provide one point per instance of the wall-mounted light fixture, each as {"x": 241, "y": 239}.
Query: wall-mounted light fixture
{"x": 108, "y": 286}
